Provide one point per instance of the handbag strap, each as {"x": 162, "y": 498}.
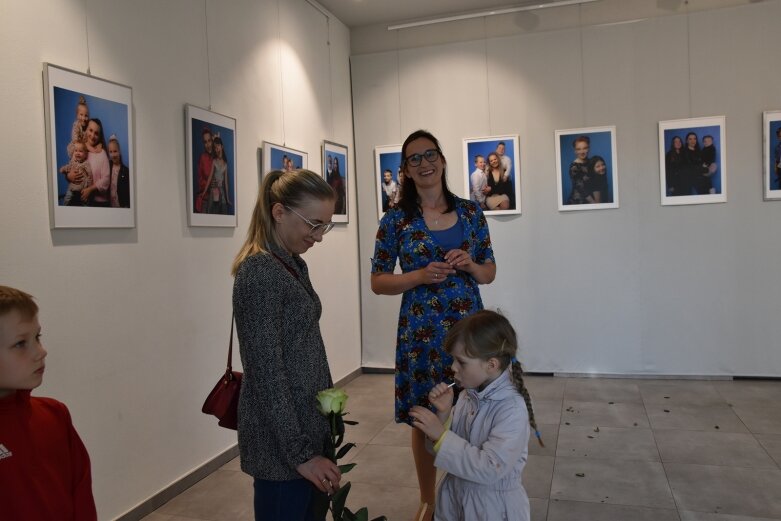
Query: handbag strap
{"x": 288, "y": 268}
{"x": 229, "y": 370}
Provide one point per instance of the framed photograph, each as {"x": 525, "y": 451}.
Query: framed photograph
{"x": 772, "y": 170}
{"x": 586, "y": 168}
{"x": 211, "y": 168}
{"x": 277, "y": 157}
{"x": 90, "y": 154}
{"x": 335, "y": 173}
{"x": 387, "y": 171}
{"x": 693, "y": 161}
{"x": 493, "y": 173}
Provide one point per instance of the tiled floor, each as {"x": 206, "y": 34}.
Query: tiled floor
{"x": 615, "y": 449}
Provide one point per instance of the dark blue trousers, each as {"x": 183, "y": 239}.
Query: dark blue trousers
{"x": 284, "y": 500}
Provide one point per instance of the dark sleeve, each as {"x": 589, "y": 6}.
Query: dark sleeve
{"x": 261, "y": 312}
{"x": 81, "y": 475}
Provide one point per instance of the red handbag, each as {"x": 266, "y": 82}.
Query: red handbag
{"x": 223, "y": 401}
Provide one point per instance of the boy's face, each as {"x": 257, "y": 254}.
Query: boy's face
{"x": 707, "y": 141}
{"x": 480, "y": 163}
{"x": 21, "y": 353}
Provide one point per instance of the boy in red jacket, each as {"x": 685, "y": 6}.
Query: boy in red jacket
{"x": 44, "y": 467}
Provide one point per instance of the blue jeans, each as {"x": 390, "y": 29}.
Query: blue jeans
{"x": 284, "y": 500}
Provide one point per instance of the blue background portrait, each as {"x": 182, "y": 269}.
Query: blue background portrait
{"x": 390, "y": 161}
{"x": 342, "y": 164}
{"x": 486, "y": 147}
{"x": 601, "y": 145}
{"x": 774, "y": 141}
{"x": 113, "y": 116}
{"x": 712, "y": 130}
{"x": 276, "y": 158}
{"x": 227, "y": 137}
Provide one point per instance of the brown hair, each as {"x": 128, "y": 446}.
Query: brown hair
{"x": 288, "y": 188}
{"x": 488, "y": 334}
{"x": 409, "y": 194}
{"x": 12, "y": 299}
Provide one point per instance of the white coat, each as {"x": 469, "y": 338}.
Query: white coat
{"x": 484, "y": 454}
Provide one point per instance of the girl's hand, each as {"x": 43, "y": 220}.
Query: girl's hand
{"x": 441, "y": 397}
{"x": 65, "y": 169}
{"x": 427, "y": 421}
{"x": 459, "y": 259}
{"x": 75, "y": 176}
{"x": 435, "y": 272}
{"x": 322, "y": 472}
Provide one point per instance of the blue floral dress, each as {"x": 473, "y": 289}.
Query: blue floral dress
{"x": 428, "y": 311}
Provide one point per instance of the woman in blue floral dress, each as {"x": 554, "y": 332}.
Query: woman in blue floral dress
{"x": 443, "y": 246}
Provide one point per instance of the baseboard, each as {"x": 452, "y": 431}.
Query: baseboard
{"x": 378, "y": 370}
{"x": 180, "y": 485}
{"x": 645, "y": 376}
{"x": 349, "y": 378}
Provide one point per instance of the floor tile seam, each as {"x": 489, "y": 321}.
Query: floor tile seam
{"x": 612, "y": 504}
{"x": 603, "y": 458}
{"x": 661, "y": 462}
{"x": 720, "y": 467}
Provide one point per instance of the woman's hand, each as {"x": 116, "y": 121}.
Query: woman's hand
{"x": 426, "y": 421}
{"x": 460, "y": 260}
{"x": 85, "y": 194}
{"x": 441, "y": 397}
{"x": 435, "y": 272}
{"x": 322, "y": 472}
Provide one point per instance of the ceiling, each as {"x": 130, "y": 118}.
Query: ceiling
{"x": 356, "y": 13}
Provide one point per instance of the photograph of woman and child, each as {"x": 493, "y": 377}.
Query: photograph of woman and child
{"x": 91, "y": 134}
{"x": 335, "y": 173}
{"x": 492, "y": 173}
{"x": 213, "y": 168}
{"x": 692, "y": 161}
{"x": 586, "y": 168}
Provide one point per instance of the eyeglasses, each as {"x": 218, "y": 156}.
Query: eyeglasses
{"x": 431, "y": 155}
{"x": 321, "y": 228}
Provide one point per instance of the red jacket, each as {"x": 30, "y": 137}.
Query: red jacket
{"x": 44, "y": 467}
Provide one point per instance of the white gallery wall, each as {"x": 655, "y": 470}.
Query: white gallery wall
{"x": 642, "y": 289}
{"x": 136, "y": 321}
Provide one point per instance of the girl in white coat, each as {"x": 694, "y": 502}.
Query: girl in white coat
{"x": 484, "y": 444}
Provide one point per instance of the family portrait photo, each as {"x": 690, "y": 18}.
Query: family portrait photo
{"x": 277, "y": 157}
{"x": 335, "y": 173}
{"x": 211, "y": 168}
{"x": 586, "y": 167}
{"x": 493, "y": 173}
{"x": 387, "y": 171}
{"x": 692, "y": 161}
{"x": 90, "y": 150}
{"x": 772, "y": 153}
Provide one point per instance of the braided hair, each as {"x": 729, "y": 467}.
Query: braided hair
{"x": 488, "y": 334}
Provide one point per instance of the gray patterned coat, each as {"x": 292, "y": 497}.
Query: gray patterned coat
{"x": 284, "y": 363}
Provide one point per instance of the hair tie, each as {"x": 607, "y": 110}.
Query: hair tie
{"x": 514, "y": 360}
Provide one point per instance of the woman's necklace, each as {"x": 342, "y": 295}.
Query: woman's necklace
{"x": 434, "y": 208}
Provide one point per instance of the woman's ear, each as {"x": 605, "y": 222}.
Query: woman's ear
{"x": 277, "y": 212}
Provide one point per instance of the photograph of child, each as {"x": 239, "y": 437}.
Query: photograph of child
{"x": 213, "y": 172}
{"x": 586, "y": 167}
{"x": 277, "y": 157}
{"x": 387, "y": 167}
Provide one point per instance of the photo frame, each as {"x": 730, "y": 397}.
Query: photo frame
{"x": 772, "y": 154}
{"x": 335, "y": 171}
{"x": 211, "y": 158}
{"x": 278, "y": 157}
{"x": 76, "y": 105}
{"x": 586, "y": 168}
{"x": 387, "y": 158}
{"x": 497, "y": 194}
{"x": 693, "y": 172}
